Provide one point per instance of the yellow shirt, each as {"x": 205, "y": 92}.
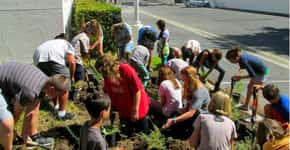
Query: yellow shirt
{"x": 281, "y": 144}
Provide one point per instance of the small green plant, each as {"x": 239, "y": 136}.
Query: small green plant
{"x": 202, "y": 73}
{"x": 235, "y": 112}
{"x": 155, "y": 139}
{"x": 247, "y": 144}
{"x": 239, "y": 87}
{"x": 110, "y": 130}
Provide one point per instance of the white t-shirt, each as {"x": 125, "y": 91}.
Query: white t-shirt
{"x": 194, "y": 45}
{"x": 140, "y": 55}
{"x": 173, "y": 97}
{"x": 53, "y": 50}
{"x": 176, "y": 65}
{"x": 215, "y": 132}
{"x": 76, "y": 44}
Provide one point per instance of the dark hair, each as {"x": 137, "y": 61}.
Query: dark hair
{"x": 148, "y": 38}
{"x": 60, "y": 36}
{"x": 186, "y": 52}
{"x": 233, "y": 53}
{"x": 218, "y": 54}
{"x": 96, "y": 105}
{"x": 116, "y": 19}
{"x": 161, "y": 24}
{"x": 271, "y": 92}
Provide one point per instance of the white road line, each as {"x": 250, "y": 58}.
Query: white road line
{"x": 284, "y": 63}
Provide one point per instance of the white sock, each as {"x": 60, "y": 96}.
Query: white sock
{"x": 56, "y": 107}
{"x": 61, "y": 113}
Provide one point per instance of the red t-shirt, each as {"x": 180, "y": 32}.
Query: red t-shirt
{"x": 122, "y": 93}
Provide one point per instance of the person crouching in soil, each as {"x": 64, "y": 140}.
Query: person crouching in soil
{"x": 126, "y": 92}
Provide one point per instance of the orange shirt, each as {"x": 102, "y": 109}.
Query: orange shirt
{"x": 281, "y": 144}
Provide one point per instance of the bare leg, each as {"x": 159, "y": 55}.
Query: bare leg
{"x": 6, "y": 132}
{"x": 17, "y": 110}
{"x": 30, "y": 123}
{"x": 64, "y": 101}
{"x": 250, "y": 90}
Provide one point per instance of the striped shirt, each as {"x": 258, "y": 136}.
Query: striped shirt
{"x": 21, "y": 81}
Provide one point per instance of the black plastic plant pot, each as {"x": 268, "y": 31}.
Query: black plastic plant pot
{"x": 154, "y": 80}
{"x": 236, "y": 97}
{"x": 112, "y": 139}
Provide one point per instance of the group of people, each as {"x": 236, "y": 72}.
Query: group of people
{"x": 184, "y": 103}
{"x": 57, "y": 64}
{"x": 186, "y": 110}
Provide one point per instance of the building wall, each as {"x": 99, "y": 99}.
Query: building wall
{"x": 25, "y": 24}
{"x": 269, "y": 6}
{"x": 67, "y": 14}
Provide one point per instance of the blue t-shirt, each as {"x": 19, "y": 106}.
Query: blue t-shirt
{"x": 141, "y": 32}
{"x": 282, "y": 107}
{"x": 253, "y": 65}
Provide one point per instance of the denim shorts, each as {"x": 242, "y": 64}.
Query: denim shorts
{"x": 260, "y": 78}
{"x": 4, "y": 112}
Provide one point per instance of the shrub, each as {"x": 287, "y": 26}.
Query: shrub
{"x": 103, "y": 12}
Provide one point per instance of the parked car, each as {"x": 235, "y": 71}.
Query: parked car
{"x": 196, "y": 3}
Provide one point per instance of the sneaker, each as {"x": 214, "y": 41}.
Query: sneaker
{"x": 257, "y": 118}
{"x": 37, "y": 139}
{"x": 244, "y": 108}
{"x": 67, "y": 116}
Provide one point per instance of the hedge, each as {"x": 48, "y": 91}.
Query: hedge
{"x": 103, "y": 12}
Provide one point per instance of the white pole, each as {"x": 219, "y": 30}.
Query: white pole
{"x": 137, "y": 19}
{"x": 137, "y": 16}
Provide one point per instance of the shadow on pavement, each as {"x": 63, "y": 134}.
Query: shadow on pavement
{"x": 270, "y": 39}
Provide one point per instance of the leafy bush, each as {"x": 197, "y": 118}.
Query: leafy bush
{"x": 155, "y": 139}
{"x": 103, "y": 12}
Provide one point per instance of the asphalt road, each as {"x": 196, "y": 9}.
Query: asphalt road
{"x": 217, "y": 28}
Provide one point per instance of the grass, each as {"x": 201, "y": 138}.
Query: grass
{"x": 62, "y": 131}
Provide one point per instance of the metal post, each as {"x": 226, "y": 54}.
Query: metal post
{"x": 137, "y": 19}
{"x": 136, "y": 11}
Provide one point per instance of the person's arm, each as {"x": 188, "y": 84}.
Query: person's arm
{"x": 233, "y": 136}
{"x": 194, "y": 138}
{"x": 180, "y": 118}
{"x": 72, "y": 65}
{"x": 161, "y": 93}
{"x": 232, "y": 144}
{"x": 202, "y": 59}
{"x": 209, "y": 71}
{"x": 95, "y": 44}
{"x": 150, "y": 59}
{"x": 162, "y": 100}
{"x": 136, "y": 103}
